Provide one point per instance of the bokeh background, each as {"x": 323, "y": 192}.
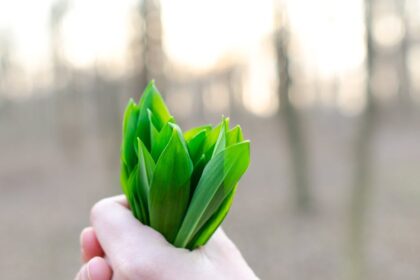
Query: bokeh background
{"x": 328, "y": 91}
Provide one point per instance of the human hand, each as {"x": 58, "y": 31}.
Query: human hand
{"x": 119, "y": 247}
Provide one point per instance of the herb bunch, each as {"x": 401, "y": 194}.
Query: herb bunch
{"x": 180, "y": 184}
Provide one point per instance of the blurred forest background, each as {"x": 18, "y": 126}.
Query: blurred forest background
{"x": 328, "y": 91}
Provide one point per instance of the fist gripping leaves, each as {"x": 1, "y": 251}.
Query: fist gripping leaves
{"x": 181, "y": 184}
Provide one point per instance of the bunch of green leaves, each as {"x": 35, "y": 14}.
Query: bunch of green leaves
{"x": 181, "y": 184}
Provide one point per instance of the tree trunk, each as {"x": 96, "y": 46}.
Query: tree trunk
{"x": 292, "y": 123}
{"x": 361, "y": 193}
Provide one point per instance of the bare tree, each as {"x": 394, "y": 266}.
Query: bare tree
{"x": 66, "y": 104}
{"x": 146, "y": 45}
{"x": 403, "y": 72}
{"x": 57, "y": 13}
{"x": 6, "y": 60}
{"x": 291, "y": 117}
{"x": 362, "y": 187}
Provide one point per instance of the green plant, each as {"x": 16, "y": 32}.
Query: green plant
{"x": 181, "y": 184}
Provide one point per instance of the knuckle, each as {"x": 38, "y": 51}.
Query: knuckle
{"x": 98, "y": 208}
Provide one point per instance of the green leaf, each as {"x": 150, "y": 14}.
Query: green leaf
{"x": 146, "y": 166}
{"x": 213, "y": 223}
{"x": 212, "y": 137}
{"x": 220, "y": 194}
{"x": 198, "y": 171}
{"x": 128, "y": 154}
{"x": 151, "y": 100}
{"x": 153, "y": 120}
{"x": 127, "y": 182}
{"x": 161, "y": 140}
{"x": 154, "y": 134}
{"x": 234, "y": 136}
{"x": 188, "y": 135}
{"x": 221, "y": 139}
{"x": 124, "y": 179}
{"x": 195, "y": 145}
{"x": 219, "y": 176}
{"x": 217, "y": 142}
{"x": 133, "y": 197}
{"x": 170, "y": 188}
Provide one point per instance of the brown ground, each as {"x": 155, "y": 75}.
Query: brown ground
{"x": 53, "y": 170}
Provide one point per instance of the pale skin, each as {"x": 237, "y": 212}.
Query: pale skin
{"x": 119, "y": 247}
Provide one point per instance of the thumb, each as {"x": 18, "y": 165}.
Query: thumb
{"x": 121, "y": 235}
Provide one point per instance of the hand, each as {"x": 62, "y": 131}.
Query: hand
{"x": 119, "y": 247}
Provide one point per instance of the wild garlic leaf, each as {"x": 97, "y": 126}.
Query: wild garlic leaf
{"x": 146, "y": 166}
{"x": 151, "y": 100}
{"x": 222, "y": 171}
{"x": 161, "y": 140}
{"x": 234, "y": 136}
{"x": 188, "y": 135}
{"x": 211, "y": 140}
{"x": 195, "y": 145}
{"x": 128, "y": 154}
{"x": 198, "y": 171}
{"x": 221, "y": 138}
{"x": 133, "y": 198}
{"x": 124, "y": 179}
{"x": 170, "y": 188}
{"x": 207, "y": 230}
